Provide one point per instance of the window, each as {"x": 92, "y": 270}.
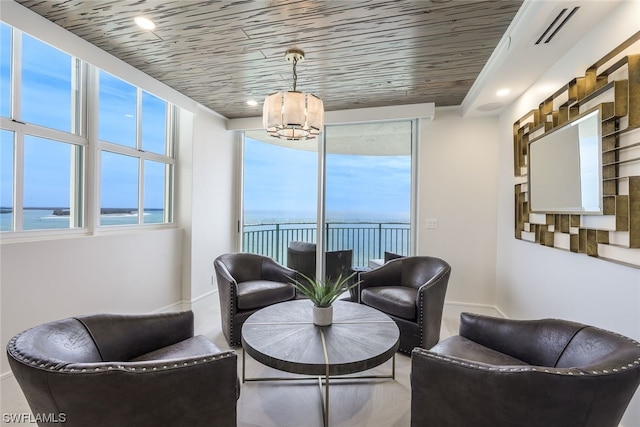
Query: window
{"x": 119, "y": 191}
{"x": 117, "y": 111}
{"x": 136, "y": 165}
{"x": 154, "y": 124}
{"x": 42, "y": 151}
{"x": 44, "y": 143}
{"x": 6, "y": 180}
{"x": 368, "y": 189}
{"x": 51, "y": 182}
{"x": 280, "y": 194}
{"x": 47, "y": 86}
{"x": 156, "y": 175}
{"x": 5, "y": 70}
{"x": 368, "y": 185}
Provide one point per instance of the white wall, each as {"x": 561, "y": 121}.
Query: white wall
{"x": 118, "y": 273}
{"x": 457, "y": 186}
{"x": 213, "y": 201}
{"x": 535, "y": 281}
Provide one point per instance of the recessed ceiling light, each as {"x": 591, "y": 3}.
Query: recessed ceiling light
{"x": 503, "y": 92}
{"x": 252, "y": 103}
{"x": 144, "y": 23}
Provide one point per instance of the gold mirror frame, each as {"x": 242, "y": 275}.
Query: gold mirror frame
{"x": 613, "y": 85}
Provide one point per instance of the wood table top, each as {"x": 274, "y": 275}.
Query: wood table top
{"x": 284, "y": 337}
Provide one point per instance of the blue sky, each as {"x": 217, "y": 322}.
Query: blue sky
{"x": 46, "y": 100}
{"x": 284, "y": 180}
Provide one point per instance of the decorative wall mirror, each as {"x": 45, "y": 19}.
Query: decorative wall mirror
{"x": 577, "y": 162}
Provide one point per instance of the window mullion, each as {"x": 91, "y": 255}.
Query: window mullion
{"x": 18, "y": 189}
{"x": 171, "y": 127}
{"x": 415, "y": 137}
{"x": 76, "y": 97}
{"x": 16, "y": 74}
{"x": 168, "y": 199}
{"x": 141, "y": 154}
{"x": 92, "y": 188}
{"x": 140, "y": 190}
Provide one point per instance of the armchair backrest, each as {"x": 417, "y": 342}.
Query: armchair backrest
{"x": 418, "y": 270}
{"x": 101, "y": 338}
{"x": 339, "y": 263}
{"x": 597, "y": 350}
{"x": 301, "y": 256}
{"x": 120, "y": 337}
{"x": 388, "y": 256}
{"x": 242, "y": 266}
{"x": 551, "y": 342}
{"x": 56, "y": 344}
{"x": 411, "y": 271}
{"x": 536, "y": 342}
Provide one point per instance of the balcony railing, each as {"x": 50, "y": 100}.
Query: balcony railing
{"x": 368, "y": 240}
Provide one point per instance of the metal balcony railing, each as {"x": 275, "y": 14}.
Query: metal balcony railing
{"x": 368, "y": 240}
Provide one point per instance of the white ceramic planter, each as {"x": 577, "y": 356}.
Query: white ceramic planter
{"x": 322, "y": 316}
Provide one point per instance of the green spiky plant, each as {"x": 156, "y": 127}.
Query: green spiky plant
{"x": 323, "y": 293}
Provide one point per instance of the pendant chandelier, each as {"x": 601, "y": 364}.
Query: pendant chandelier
{"x": 293, "y": 115}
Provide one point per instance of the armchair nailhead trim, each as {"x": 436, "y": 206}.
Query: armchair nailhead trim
{"x": 520, "y": 369}
{"x": 16, "y": 354}
{"x": 421, "y": 312}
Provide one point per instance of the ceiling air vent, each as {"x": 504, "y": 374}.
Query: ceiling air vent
{"x": 563, "y": 17}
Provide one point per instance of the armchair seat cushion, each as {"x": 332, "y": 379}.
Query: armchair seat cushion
{"x": 191, "y": 347}
{"x": 261, "y": 293}
{"x": 399, "y": 301}
{"x": 463, "y": 348}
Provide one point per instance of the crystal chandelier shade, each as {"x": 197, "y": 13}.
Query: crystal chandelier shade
{"x": 293, "y": 115}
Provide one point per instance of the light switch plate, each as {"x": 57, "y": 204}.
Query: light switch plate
{"x": 432, "y": 223}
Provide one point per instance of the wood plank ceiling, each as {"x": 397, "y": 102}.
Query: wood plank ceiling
{"x": 359, "y": 53}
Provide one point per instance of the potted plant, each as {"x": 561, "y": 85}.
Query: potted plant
{"x": 322, "y": 294}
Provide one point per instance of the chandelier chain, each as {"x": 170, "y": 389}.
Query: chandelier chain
{"x": 295, "y": 75}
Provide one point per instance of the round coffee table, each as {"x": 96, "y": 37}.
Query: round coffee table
{"x": 283, "y": 336}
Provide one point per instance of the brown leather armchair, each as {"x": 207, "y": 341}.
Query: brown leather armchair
{"x": 524, "y": 373}
{"x": 246, "y": 283}
{"x": 116, "y": 370}
{"x": 411, "y": 291}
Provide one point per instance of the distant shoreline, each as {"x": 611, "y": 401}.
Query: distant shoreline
{"x": 103, "y": 211}
{"x": 66, "y": 211}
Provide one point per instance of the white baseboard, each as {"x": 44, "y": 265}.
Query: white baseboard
{"x": 183, "y": 305}
{"x": 6, "y": 376}
{"x": 454, "y": 308}
{"x": 176, "y": 306}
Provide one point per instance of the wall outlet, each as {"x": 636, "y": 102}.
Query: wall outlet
{"x": 432, "y": 223}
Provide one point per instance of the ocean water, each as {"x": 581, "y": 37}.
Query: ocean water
{"x": 256, "y": 217}
{"x": 368, "y": 235}
{"x": 43, "y": 219}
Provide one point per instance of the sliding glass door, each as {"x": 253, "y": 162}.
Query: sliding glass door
{"x": 280, "y": 194}
{"x": 368, "y": 190}
{"x": 365, "y": 174}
